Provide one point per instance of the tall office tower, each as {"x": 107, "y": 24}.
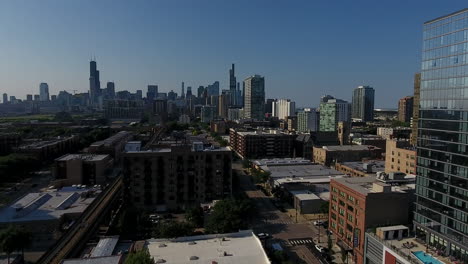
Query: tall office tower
{"x": 254, "y": 101}
{"x": 171, "y": 95}
{"x": 5, "y": 98}
{"x": 44, "y": 92}
{"x": 139, "y": 94}
{"x": 240, "y": 98}
{"x": 414, "y": 121}
{"x": 441, "y": 213}
{"x": 363, "y": 103}
{"x": 232, "y": 86}
{"x": 182, "y": 95}
{"x": 200, "y": 91}
{"x": 223, "y": 104}
{"x": 333, "y": 111}
{"x": 283, "y": 108}
{"x": 269, "y": 106}
{"x": 213, "y": 89}
{"x": 110, "y": 90}
{"x": 94, "y": 83}
{"x": 37, "y": 97}
{"x": 405, "y": 108}
{"x": 29, "y": 97}
{"x": 325, "y": 98}
{"x": 152, "y": 93}
{"x": 308, "y": 120}
{"x": 189, "y": 92}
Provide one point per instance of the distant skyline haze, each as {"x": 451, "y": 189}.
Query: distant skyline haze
{"x": 304, "y": 49}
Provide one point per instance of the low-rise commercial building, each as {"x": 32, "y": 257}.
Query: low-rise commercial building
{"x": 240, "y": 247}
{"x": 360, "y": 203}
{"x": 371, "y": 140}
{"x": 394, "y": 132}
{"x": 361, "y": 168}
{"x": 52, "y": 148}
{"x": 124, "y": 109}
{"x": 112, "y": 146}
{"x": 328, "y": 155}
{"x": 85, "y": 169}
{"x": 47, "y": 214}
{"x": 177, "y": 176}
{"x": 306, "y": 202}
{"x": 400, "y": 156}
{"x": 262, "y": 144}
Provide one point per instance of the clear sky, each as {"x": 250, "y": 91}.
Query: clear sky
{"x": 303, "y": 48}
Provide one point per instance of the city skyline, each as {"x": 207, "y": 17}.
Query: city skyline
{"x": 170, "y": 49}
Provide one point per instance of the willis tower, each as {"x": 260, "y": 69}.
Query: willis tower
{"x": 94, "y": 83}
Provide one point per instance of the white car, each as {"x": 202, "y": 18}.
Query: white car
{"x": 263, "y": 235}
{"x": 320, "y": 248}
{"x": 318, "y": 222}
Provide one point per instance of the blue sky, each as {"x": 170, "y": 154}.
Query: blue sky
{"x": 303, "y": 48}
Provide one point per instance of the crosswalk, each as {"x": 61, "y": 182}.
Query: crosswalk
{"x": 300, "y": 241}
{"x": 284, "y": 222}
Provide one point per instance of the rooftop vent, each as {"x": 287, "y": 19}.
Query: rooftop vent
{"x": 193, "y": 258}
{"x": 192, "y": 243}
{"x": 162, "y": 245}
{"x": 160, "y": 261}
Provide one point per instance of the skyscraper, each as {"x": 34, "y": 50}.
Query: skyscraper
{"x": 44, "y": 92}
{"x": 308, "y": 120}
{"x": 405, "y": 108}
{"x": 183, "y": 90}
{"x": 283, "y": 108}
{"x": 5, "y": 98}
{"x": 333, "y": 111}
{"x": 414, "y": 122}
{"x": 363, "y": 103}
{"x": 189, "y": 92}
{"x": 152, "y": 93}
{"x": 232, "y": 86}
{"x": 200, "y": 91}
{"x": 254, "y": 100}
{"x": 110, "y": 90}
{"x": 213, "y": 89}
{"x": 94, "y": 83}
{"x": 441, "y": 213}
{"x": 223, "y": 104}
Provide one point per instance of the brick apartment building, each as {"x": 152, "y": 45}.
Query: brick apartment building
{"x": 400, "y": 156}
{"x": 359, "y": 203}
{"x": 328, "y": 155}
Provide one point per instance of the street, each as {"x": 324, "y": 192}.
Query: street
{"x": 293, "y": 237}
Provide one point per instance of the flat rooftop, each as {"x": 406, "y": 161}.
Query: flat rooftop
{"x": 262, "y": 133}
{"x": 281, "y": 162}
{"x": 44, "y": 143}
{"x": 113, "y": 139}
{"x": 309, "y": 170}
{"x": 84, "y": 157}
{"x": 233, "y": 248}
{"x": 365, "y": 185}
{"x": 350, "y": 148}
{"x": 97, "y": 260}
{"x": 304, "y": 195}
{"x": 48, "y": 205}
{"x": 376, "y": 165}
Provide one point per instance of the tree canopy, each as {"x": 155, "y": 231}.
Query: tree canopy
{"x": 230, "y": 215}
{"x": 195, "y": 216}
{"x": 140, "y": 257}
{"x": 173, "y": 229}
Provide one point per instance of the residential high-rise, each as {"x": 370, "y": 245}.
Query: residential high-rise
{"x": 200, "y": 91}
{"x": 152, "y": 92}
{"x": 232, "y": 86}
{"x": 5, "y": 98}
{"x": 283, "y": 108}
{"x": 363, "y": 103}
{"x": 414, "y": 121}
{"x": 333, "y": 111}
{"x": 171, "y": 95}
{"x": 269, "y": 106}
{"x": 223, "y": 104}
{"x": 441, "y": 214}
{"x": 213, "y": 89}
{"x": 29, "y": 97}
{"x": 308, "y": 120}
{"x": 254, "y": 100}
{"x": 110, "y": 90}
{"x": 44, "y": 92}
{"x": 189, "y": 92}
{"x": 405, "y": 108}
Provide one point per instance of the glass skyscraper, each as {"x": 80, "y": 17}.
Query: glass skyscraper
{"x": 363, "y": 103}
{"x": 254, "y": 98}
{"x": 441, "y": 210}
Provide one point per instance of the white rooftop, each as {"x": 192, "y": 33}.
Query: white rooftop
{"x": 84, "y": 157}
{"x": 98, "y": 260}
{"x": 233, "y": 248}
{"x": 105, "y": 247}
{"x": 47, "y": 205}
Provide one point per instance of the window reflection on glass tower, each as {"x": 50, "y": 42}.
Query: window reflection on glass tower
{"x": 441, "y": 213}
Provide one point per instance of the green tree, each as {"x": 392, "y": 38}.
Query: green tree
{"x": 140, "y": 257}
{"x": 14, "y": 239}
{"x": 195, "y": 216}
{"x": 173, "y": 229}
{"x": 63, "y": 117}
{"x": 324, "y": 207}
{"x": 246, "y": 163}
{"x": 329, "y": 242}
{"x": 230, "y": 215}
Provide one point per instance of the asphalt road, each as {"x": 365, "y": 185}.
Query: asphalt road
{"x": 295, "y": 238}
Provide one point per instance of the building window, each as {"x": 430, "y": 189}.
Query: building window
{"x": 350, "y": 217}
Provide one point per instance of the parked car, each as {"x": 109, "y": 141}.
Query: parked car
{"x": 320, "y": 248}
{"x": 318, "y": 222}
{"x": 263, "y": 235}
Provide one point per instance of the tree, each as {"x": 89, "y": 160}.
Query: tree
{"x": 246, "y": 163}
{"x": 140, "y": 257}
{"x": 230, "y": 216}
{"x": 195, "y": 216}
{"x": 63, "y": 117}
{"x": 14, "y": 239}
{"x": 329, "y": 242}
{"x": 173, "y": 229}
{"x": 324, "y": 207}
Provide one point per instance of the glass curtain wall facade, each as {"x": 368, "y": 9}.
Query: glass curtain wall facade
{"x": 441, "y": 213}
